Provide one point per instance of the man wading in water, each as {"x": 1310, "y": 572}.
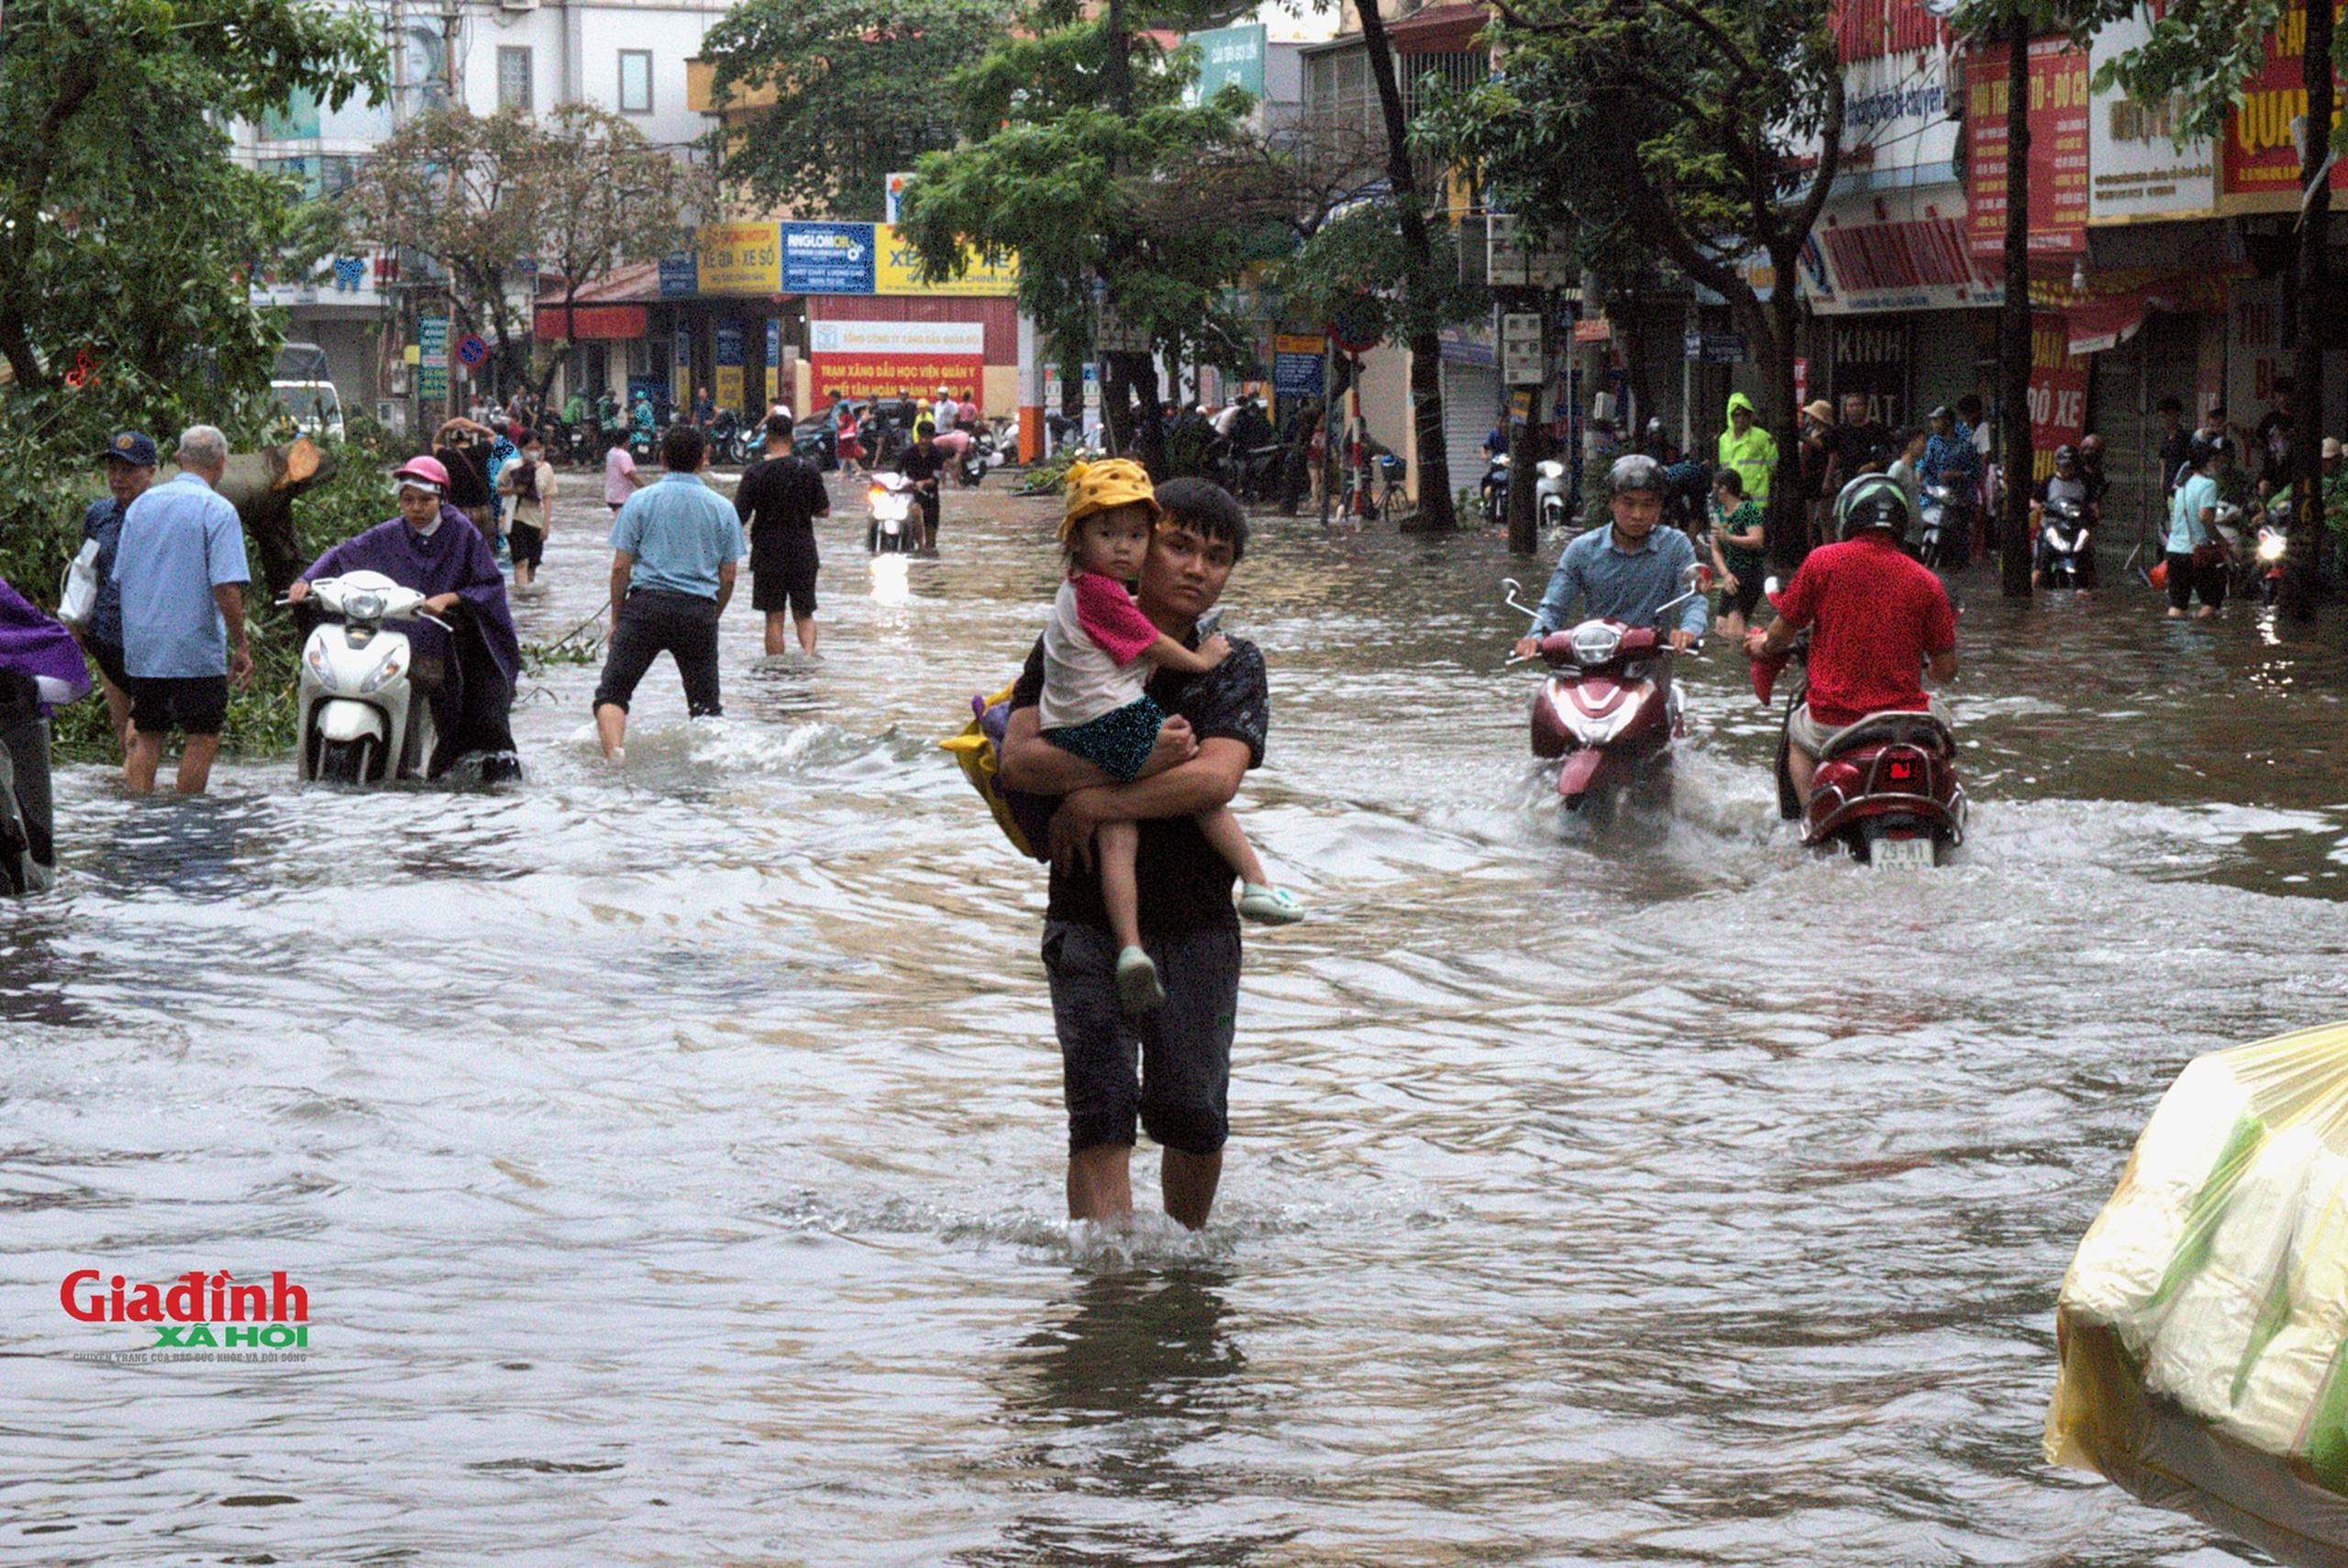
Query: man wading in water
{"x": 1216, "y": 722}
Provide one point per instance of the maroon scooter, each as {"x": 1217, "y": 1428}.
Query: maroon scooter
{"x": 1885, "y": 790}
{"x": 1608, "y": 715}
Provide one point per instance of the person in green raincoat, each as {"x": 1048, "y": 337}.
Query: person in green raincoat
{"x": 1752, "y": 451}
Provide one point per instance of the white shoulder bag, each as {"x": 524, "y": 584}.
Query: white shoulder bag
{"x": 79, "y": 600}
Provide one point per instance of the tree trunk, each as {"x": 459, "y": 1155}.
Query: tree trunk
{"x": 1785, "y": 525}
{"x": 1526, "y": 449}
{"x": 2013, "y": 334}
{"x": 2299, "y": 568}
{"x": 1435, "y": 513}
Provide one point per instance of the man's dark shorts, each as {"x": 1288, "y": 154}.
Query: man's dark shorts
{"x": 194, "y": 705}
{"x": 108, "y": 657}
{"x": 784, "y": 580}
{"x": 1182, "y": 1097}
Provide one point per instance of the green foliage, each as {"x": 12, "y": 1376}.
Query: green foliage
{"x": 1358, "y": 262}
{"x": 856, "y": 98}
{"x": 127, "y": 232}
{"x": 1169, "y": 204}
{"x": 2201, "y": 51}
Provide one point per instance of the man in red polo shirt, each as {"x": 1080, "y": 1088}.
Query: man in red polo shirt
{"x": 1880, "y": 619}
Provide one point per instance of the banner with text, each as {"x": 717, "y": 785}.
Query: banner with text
{"x": 881, "y": 358}
{"x": 2258, "y": 167}
{"x": 900, "y": 271}
{"x": 738, "y": 259}
{"x": 2058, "y": 390}
{"x": 2058, "y": 149}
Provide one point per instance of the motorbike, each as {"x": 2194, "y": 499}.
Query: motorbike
{"x": 1251, "y": 473}
{"x": 1608, "y": 713}
{"x": 1947, "y": 535}
{"x": 362, "y": 720}
{"x": 896, "y": 525}
{"x": 1550, "y": 503}
{"x": 2064, "y": 544}
{"x": 2266, "y": 558}
{"x": 1886, "y": 791}
{"x": 1493, "y": 492}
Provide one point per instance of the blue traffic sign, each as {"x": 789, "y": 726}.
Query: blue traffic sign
{"x": 472, "y": 351}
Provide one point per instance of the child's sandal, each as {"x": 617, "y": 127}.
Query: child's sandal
{"x": 1269, "y": 905}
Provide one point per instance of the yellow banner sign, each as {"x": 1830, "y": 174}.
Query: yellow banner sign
{"x": 898, "y": 270}
{"x": 741, "y": 258}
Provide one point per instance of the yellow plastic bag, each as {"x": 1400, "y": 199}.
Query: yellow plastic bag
{"x": 974, "y": 748}
{"x": 2203, "y": 1326}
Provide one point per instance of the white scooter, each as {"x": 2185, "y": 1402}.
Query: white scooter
{"x": 896, "y": 525}
{"x": 362, "y": 720}
{"x": 1549, "y": 494}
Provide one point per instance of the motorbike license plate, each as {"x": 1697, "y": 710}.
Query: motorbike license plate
{"x": 1901, "y": 854}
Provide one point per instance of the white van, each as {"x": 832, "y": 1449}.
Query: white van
{"x": 313, "y": 407}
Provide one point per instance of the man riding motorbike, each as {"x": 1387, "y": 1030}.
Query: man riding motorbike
{"x": 2068, "y": 484}
{"x": 1627, "y": 571}
{"x": 1876, "y": 618}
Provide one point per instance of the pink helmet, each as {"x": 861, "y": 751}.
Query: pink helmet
{"x": 424, "y": 472}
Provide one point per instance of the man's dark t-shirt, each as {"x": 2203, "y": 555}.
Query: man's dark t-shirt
{"x": 1185, "y": 885}
{"x": 468, "y": 479}
{"x": 1856, "y": 446}
{"x": 780, "y": 498}
{"x": 2176, "y": 450}
{"x": 917, "y": 462}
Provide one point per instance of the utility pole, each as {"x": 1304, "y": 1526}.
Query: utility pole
{"x": 2014, "y": 337}
{"x": 2307, "y": 319}
{"x": 451, "y": 18}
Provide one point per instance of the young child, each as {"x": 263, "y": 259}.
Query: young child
{"x": 1099, "y": 652}
{"x": 1737, "y": 560}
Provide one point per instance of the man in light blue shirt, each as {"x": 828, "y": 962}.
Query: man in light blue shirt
{"x": 1628, "y": 570}
{"x": 675, "y": 549}
{"x": 180, "y": 567}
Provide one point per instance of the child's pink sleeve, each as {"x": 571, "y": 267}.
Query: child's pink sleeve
{"x": 1110, "y": 617}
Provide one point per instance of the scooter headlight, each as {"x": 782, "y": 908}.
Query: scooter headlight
{"x": 320, "y": 666}
{"x": 391, "y": 665}
{"x": 364, "y": 607}
{"x": 1594, "y": 642}
{"x": 2273, "y": 547}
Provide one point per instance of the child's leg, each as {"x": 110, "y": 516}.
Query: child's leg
{"x": 1113, "y": 847}
{"x": 1230, "y": 841}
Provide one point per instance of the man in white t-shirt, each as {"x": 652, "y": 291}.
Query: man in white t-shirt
{"x": 948, "y": 411}
{"x": 620, "y": 478}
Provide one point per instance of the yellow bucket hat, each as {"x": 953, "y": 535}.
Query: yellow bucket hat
{"x": 1103, "y": 486}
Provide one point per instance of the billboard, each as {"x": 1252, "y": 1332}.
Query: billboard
{"x": 1227, "y": 56}
{"x": 2058, "y": 390}
{"x": 2058, "y": 149}
{"x": 877, "y": 359}
{"x": 827, "y": 258}
{"x": 725, "y": 363}
{"x": 738, "y": 259}
{"x": 2137, "y": 169}
{"x": 2259, "y": 165}
{"x": 899, "y": 271}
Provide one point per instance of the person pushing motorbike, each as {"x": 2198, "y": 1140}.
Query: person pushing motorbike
{"x": 1876, "y": 618}
{"x": 1627, "y": 571}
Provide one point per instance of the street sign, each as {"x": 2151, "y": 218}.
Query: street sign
{"x": 1112, "y": 334}
{"x": 1296, "y": 366}
{"x": 1509, "y": 265}
{"x": 1521, "y": 358}
{"x": 472, "y": 351}
{"x": 1717, "y": 348}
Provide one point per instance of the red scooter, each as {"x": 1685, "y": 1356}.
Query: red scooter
{"x": 1608, "y": 710}
{"x": 1885, "y": 790}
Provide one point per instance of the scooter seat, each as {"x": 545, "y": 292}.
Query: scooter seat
{"x": 1896, "y": 728}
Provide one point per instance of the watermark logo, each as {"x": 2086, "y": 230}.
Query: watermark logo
{"x": 212, "y": 1315}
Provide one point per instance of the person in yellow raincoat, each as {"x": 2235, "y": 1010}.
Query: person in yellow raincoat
{"x": 1752, "y": 451}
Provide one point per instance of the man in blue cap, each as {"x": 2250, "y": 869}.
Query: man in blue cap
{"x": 129, "y": 460}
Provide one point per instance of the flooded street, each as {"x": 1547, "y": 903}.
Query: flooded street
{"x": 674, "y": 1157}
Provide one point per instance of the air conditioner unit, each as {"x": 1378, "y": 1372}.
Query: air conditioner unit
{"x": 517, "y": 5}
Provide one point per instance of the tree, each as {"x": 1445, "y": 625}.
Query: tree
{"x": 1422, "y": 284}
{"x": 128, "y": 232}
{"x": 607, "y": 197}
{"x": 579, "y": 192}
{"x": 855, "y": 85}
{"x": 2201, "y": 54}
{"x": 1710, "y": 130}
{"x": 1083, "y": 159}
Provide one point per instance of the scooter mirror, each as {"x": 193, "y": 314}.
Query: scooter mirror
{"x": 1769, "y": 586}
{"x": 1513, "y": 585}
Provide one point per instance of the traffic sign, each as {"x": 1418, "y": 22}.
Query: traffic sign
{"x": 472, "y": 351}
{"x": 1522, "y": 363}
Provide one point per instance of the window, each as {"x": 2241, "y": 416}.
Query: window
{"x": 636, "y": 82}
{"x": 512, "y": 78}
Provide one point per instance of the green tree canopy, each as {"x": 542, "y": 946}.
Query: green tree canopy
{"x": 128, "y": 234}
{"x": 856, "y": 85}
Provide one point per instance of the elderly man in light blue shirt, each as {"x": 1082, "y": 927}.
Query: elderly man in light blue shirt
{"x": 1628, "y": 570}
{"x": 675, "y": 549}
{"x": 180, "y": 567}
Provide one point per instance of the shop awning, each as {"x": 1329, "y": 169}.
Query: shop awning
{"x": 2106, "y": 322}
